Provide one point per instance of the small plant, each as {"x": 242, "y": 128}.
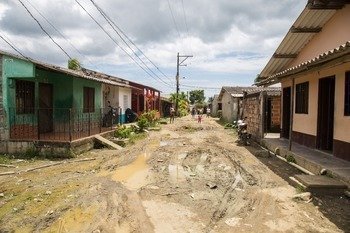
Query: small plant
{"x": 123, "y": 132}
{"x": 291, "y": 159}
{"x": 228, "y": 126}
{"x": 300, "y": 189}
{"x": 143, "y": 123}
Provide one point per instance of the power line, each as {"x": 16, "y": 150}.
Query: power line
{"x": 199, "y": 87}
{"x": 59, "y": 32}
{"x": 41, "y": 27}
{"x": 13, "y": 47}
{"x": 174, "y": 21}
{"x": 104, "y": 30}
{"x": 124, "y": 34}
{"x": 120, "y": 36}
{"x": 188, "y": 34}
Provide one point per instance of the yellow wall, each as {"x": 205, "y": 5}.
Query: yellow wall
{"x": 334, "y": 33}
{"x": 307, "y": 123}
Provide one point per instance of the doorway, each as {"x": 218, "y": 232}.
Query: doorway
{"x": 325, "y": 116}
{"x": 45, "y": 108}
{"x": 286, "y": 112}
{"x": 268, "y": 113}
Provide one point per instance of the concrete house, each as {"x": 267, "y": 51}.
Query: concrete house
{"x": 231, "y": 102}
{"x": 215, "y": 106}
{"x": 312, "y": 63}
{"x": 45, "y": 103}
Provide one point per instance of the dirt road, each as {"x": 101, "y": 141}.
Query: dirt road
{"x": 188, "y": 177}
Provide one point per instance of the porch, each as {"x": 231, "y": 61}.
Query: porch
{"x": 310, "y": 159}
{"x": 60, "y": 125}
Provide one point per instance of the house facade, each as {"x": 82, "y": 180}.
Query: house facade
{"x": 46, "y": 103}
{"x": 312, "y": 63}
{"x": 231, "y": 102}
{"x": 215, "y": 106}
{"x": 262, "y": 109}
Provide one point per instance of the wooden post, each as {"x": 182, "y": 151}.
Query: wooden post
{"x": 101, "y": 115}
{"x": 70, "y": 124}
{"x": 291, "y": 115}
{"x": 262, "y": 113}
{"x": 38, "y": 112}
{"x": 89, "y": 122}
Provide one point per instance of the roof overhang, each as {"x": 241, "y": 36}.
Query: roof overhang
{"x": 309, "y": 23}
{"x": 333, "y": 57}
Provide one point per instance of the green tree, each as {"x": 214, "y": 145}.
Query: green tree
{"x": 182, "y": 103}
{"x": 197, "y": 96}
{"x": 74, "y": 64}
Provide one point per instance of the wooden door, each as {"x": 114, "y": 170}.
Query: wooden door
{"x": 45, "y": 108}
{"x": 286, "y": 112}
{"x": 325, "y": 116}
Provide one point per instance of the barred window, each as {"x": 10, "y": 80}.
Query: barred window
{"x": 302, "y": 97}
{"x": 347, "y": 94}
{"x": 25, "y": 93}
{"x": 89, "y": 99}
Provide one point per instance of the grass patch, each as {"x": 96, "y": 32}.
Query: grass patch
{"x": 291, "y": 159}
{"x": 137, "y": 136}
{"x": 300, "y": 189}
{"x": 5, "y": 159}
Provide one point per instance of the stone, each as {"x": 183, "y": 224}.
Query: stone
{"x": 302, "y": 196}
{"x": 323, "y": 172}
{"x": 48, "y": 192}
{"x": 211, "y": 185}
{"x": 2, "y": 195}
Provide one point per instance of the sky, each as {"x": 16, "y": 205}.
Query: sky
{"x": 231, "y": 40}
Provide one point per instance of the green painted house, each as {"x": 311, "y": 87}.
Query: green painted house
{"x": 42, "y": 102}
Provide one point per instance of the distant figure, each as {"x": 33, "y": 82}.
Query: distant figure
{"x": 193, "y": 112}
{"x": 208, "y": 112}
{"x": 172, "y": 115}
{"x": 199, "y": 118}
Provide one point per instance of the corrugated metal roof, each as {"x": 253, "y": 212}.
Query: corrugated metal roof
{"x": 342, "y": 50}
{"x": 238, "y": 92}
{"x": 294, "y": 42}
{"x": 102, "y": 78}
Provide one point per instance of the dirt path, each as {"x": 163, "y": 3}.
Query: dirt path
{"x": 188, "y": 177}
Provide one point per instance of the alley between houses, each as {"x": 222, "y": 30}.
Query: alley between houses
{"x": 187, "y": 177}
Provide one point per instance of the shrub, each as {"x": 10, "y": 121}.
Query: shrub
{"x": 123, "y": 132}
{"x": 148, "y": 119}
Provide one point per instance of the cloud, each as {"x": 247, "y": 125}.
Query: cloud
{"x": 227, "y": 38}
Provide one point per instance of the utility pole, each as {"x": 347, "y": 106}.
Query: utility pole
{"x": 178, "y": 64}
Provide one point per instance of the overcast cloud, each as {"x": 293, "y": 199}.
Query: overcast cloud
{"x": 231, "y": 40}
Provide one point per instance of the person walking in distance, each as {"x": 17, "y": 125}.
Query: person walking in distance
{"x": 193, "y": 112}
{"x": 200, "y": 111}
{"x": 208, "y": 112}
{"x": 172, "y": 115}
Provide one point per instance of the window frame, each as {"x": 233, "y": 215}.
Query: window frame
{"x": 347, "y": 94}
{"x": 302, "y": 98}
{"x": 88, "y": 99}
{"x": 25, "y": 97}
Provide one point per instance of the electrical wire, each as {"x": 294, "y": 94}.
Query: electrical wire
{"x": 104, "y": 30}
{"x": 121, "y": 37}
{"x": 13, "y": 47}
{"x": 41, "y": 27}
{"x": 174, "y": 21}
{"x": 116, "y": 27}
{"x": 60, "y": 33}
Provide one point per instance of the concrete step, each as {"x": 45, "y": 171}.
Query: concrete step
{"x": 321, "y": 184}
{"x": 107, "y": 143}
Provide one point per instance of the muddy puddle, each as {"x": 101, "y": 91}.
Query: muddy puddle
{"x": 137, "y": 174}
